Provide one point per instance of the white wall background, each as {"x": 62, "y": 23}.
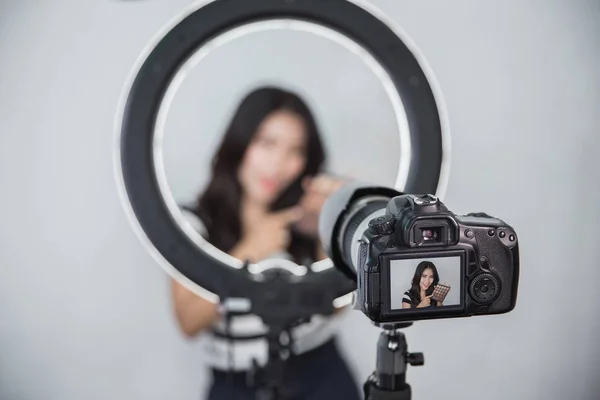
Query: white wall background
{"x": 84, "y": 311}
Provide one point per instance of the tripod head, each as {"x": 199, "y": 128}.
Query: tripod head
{"x": 388, "y": 382}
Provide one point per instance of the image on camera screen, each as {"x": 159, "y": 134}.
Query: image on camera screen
{"x": 425, "y": 283}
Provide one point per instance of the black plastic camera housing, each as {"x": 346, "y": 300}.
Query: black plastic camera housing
{"x": 421, "y": 227}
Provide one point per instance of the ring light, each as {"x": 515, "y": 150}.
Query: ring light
{"x": 422, "y": 110}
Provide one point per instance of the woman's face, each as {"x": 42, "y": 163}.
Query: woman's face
{"x": 426, "y": 279}
{"x": 275, "y": 157}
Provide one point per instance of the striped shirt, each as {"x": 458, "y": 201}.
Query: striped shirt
{"x": 408, "y": 299}
{"x": 217, "y": 349}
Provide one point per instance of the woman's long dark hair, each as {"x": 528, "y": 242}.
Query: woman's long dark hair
{"x": 219, "y": 205}
{"x": 415, "y": 289}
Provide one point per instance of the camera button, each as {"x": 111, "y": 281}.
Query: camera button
{"x": 383, "y": 225}
{"x": 469, "y": 233}
{"x": 508, "y": 237}
{"x": 485, "y": 264}
{"x": 484, "y": 288}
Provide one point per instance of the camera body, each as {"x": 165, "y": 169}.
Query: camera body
{"x": 420, "y": 261}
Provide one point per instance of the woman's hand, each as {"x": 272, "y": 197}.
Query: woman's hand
{"x": 316, "y": 191}
{"x": 426, "y": 302}
{"x": 267, "y": 235}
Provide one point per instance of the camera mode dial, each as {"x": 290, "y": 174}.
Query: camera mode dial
{"x": 484, "y": 288}
{"x": 383, "y": 225}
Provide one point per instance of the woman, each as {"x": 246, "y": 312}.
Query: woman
{"x": 423, "y": 282}
{"x": 261, "y": 186}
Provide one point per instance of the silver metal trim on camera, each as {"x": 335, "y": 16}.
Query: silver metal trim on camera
{"x": 422, "y": 200}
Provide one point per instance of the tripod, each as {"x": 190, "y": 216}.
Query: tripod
{"x": 388, "y": 382}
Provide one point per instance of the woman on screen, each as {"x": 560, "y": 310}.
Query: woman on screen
{"x": 423, "y": 282}
{"x": 258, "y": 190}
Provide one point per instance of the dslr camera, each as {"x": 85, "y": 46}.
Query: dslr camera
{"x": 414, "y": 259}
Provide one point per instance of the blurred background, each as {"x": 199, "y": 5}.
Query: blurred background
{"x": 352, "y": 109}
{"x": 84, "y": 310}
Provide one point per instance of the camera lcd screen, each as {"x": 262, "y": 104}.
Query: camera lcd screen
{"x": 425, "y": 283}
